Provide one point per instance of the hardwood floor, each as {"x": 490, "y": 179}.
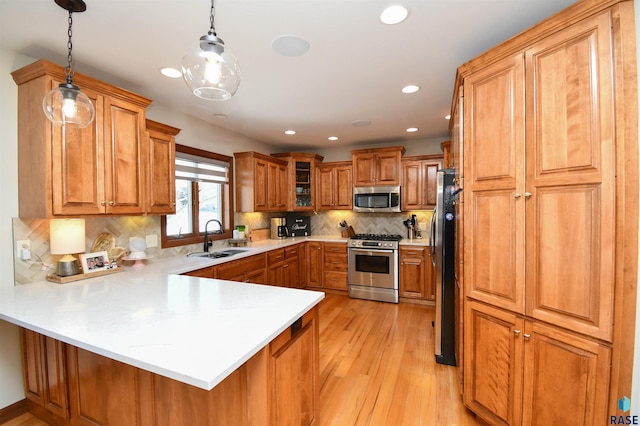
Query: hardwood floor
{"x": 377, "y": 367}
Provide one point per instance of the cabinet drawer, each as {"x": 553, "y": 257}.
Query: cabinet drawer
{"x": 337, "y": 248}
{"x": 291, "y": 252}
{"x": 335, "y": 280}
{"x": 335, "y": 262}
{"x": 241, "y": 266}
{"x": 412, "y": 252}
{"x": 275, "y": 256}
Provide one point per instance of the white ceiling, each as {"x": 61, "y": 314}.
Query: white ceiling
{"x": 354, "y": 69}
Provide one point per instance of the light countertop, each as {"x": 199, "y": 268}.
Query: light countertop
{"x": 194, "y": 330}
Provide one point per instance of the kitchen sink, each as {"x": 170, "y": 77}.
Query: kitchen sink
{"x": 216, "y": 254}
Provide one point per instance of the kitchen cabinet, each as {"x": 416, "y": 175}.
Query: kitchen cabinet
{"x": 99, "y": 169}
{"x": 416, "y": 273}
{"x": 315, "y": 264}
{"x": 543, "y": 138}
{"x": 303, "y": 250}
{"x": 208, "y": 272}
{"x": 334, "y": 186}
{"x": 45, "y": 376}
{"x": 379, "y": 166}
{"x": 528, "y": 372}
{"x": 252, "y": 269}
{"x": 447, "y": 161}
{"x": 301, "y": 180}
{"x": 161, "y": 188}
{"x": 284, "y": 267}
{"x": 261, "y": 182}
{"x": 419, "y": 185}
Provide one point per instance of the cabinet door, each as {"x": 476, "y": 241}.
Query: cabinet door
{"x": 276, "y": 187}
{"x": 314, "y": 264}
{"x": 260, "y": 193}
{"x": 430, "y": 184}
{"x": 302, "y": 265}
{"x": 161, "y": 185}
{"x": 77, "y": 166}
{"x": 124, "y": 150}
{"x": 571, "y": 176}
{"x": 295, "y": 365}
{"x": 343, "y": 188}
{"x": 561, "y": 371}
{"x": 412, "y": 273}
{"x": 388, "y": 168}
{"x": 325, "y": 197}
{"x": 493, "y": 363}
{"x": 494, "y": 207}
{"x": 411, "y": 185}
{"x": 203, "y": 272}
{"x": 364, "y": 169}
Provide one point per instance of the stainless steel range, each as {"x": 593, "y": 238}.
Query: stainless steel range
{"x": 373, "y": 267}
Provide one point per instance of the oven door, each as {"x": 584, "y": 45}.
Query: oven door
{"x": 373, "y": 267}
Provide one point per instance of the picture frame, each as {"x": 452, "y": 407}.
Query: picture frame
{"x": 94, "y": 262}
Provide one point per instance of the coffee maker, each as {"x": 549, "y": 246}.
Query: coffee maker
{"x": 279, "y": 228}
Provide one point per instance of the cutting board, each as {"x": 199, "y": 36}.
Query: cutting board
{"x": 260, "y": 234}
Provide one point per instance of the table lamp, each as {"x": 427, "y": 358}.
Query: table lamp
{"x": 66, "y": 236}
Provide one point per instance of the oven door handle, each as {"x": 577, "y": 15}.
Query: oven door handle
{"x": 372, "y": 250}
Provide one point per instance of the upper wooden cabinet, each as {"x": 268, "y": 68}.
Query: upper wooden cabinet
{"x": 301, "y": 180}
{"x": 380, "y": 166}
{"x": 70, "y": 171}
{"x": 334, "y": 186}
{"x": 261, "y": 182}
{"x": 161, "y": 188}
{"x": 419, "y": 185}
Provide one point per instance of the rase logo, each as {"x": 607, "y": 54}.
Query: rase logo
{"x": 624, "y": 404}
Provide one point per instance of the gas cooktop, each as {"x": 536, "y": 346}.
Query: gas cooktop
{"x": 377, "y": 237}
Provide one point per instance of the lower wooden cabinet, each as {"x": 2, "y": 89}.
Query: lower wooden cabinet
{"x": 335, "y": 261}
{"x": 277, "y": 386}
{"x": 203, "y": 272}
{"x": 416, "y": 273}
{"x": 523, "y": 372}
{"x": 283, "y": 267}
{"x": 315, "y": 264}
{"x": 252, "y": 269}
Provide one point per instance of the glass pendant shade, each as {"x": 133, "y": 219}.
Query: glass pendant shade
{"x": 210, "y": 69}
{"x": 67, "y": 105}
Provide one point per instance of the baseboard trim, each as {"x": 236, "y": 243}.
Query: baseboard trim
{"x": 12, "y": 411}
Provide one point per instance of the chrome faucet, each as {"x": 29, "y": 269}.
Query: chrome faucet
{"x": 206, "y": 234}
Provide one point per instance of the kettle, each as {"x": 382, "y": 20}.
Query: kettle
{"x": 279, "y": 228}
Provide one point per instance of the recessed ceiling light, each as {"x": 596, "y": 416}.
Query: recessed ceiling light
{"x": 289, "y": 132}
{"x": 361, "y": 123}
{"x": 333, "y": 138}
{"x": 412, "y": 129}
{"x": 411, "y": 88}
{"x": 290, "y": 45}
{"x": 447, "y": 117}
{"x": 171, "y": 72}
{"x": 394, "y": 14}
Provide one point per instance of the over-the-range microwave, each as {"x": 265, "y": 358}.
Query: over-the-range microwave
{"x": 376, "y": 199}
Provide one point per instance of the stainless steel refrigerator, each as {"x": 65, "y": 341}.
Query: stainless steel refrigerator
{"x": 442, "y": 241}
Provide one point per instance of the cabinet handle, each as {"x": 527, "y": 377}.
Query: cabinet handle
{"x": 526, "y": 336}
{"x": 111, "y": 203}
{"x": 516, "y": 332}
{"x": 517, "y": 195}
{"x": 527, "y": 195}
{"x": 103, "y": 203}
{"x": 411, "y": 263}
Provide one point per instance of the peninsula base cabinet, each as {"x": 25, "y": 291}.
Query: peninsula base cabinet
{"x": 523, "y": 372}
{"x": 277, "y": 386}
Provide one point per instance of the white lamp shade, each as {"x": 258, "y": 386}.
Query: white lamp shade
{"x": 66, "y": 236}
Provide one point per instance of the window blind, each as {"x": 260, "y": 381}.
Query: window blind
{"x": 201, "y": 169}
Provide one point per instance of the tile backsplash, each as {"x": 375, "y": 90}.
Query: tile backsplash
{"x": 325, "y": 223}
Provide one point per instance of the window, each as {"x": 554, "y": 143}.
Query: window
{"x": 204, "y": 182}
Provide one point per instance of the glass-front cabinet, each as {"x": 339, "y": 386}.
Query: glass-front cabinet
{"x": 302, "y": 184}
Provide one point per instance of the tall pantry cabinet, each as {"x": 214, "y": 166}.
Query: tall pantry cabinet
{"x": 546, "y": 210}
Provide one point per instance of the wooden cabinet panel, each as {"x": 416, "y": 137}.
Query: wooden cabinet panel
{"x": 493, "y": 363}
{"x": 261, "y": 182}
{"x": 335, "y": 266}
{"x": 301, "y": 191}
{"x": 379, "y": 166}
{"x": 563, "y": 370}
{"x": 261, "y": 196}
{"x": 161, "y": 188}
{"x": 249, "y": 269}
{"x": 418, "y": 183}
{"x": 416, "y": 273}
{"x": 335, "y": 188}
{"x": 276, "y": 187}
{"x": 203, "y": 272}
{"x": 315, "y": 264}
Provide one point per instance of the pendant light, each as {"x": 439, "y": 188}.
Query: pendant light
{"x": 66, "y": 104}
{"x": 209, "y": 68}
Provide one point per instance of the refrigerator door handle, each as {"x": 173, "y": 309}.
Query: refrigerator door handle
{"x": 432, "y": 237}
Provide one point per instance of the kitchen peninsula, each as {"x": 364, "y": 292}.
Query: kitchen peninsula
{"x": 150, "y": 346}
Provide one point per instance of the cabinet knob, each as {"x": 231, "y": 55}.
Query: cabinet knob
{"x": 111, "y": 203}
{"x": 517, "y": 195}
{"x": 527, "y": 195}
{"x": 516, "y": 332}
{"x": 526, "y": 336}
{"x": 103, "y": 203}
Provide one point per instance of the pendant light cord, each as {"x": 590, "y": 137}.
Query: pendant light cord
{"x": 212, "y": 30}
{"x": 69, "y": 69}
